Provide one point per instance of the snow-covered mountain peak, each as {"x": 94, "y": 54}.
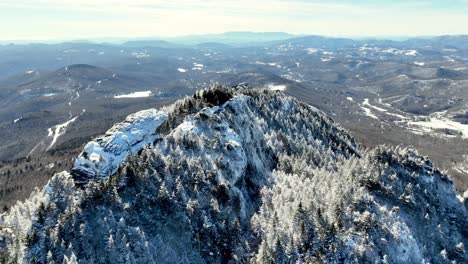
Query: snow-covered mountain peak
{"x": 237, "y": 175}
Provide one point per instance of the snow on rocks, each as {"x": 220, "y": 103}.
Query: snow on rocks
{"x": 234, "y": 159}
{"x": 102, "y": 156}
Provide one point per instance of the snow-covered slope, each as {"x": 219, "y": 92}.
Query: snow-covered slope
{"x": 236, "y": 175}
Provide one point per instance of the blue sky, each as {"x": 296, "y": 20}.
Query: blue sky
{"x": 90, "y": 19}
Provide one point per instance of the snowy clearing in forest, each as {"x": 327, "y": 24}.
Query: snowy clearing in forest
{"x": 58, "y": 130}
{"x": 441, "y": 123}
{"x": 366, "y": 103}
{"x": 277, "y": 87}
{"x": 368, "y": 112}
{"x": 134, "y": 95}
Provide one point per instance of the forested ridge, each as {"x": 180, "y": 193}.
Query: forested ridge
{"x": 238, "y": 175}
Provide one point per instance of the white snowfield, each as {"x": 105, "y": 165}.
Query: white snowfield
{"x": 277, "y": 87}
{"x": 134, "y": 95}
{"x": 440, "y": 123}
{"x": 102, "y": 156}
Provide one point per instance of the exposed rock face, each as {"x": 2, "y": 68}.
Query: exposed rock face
{"x": 102, "y": 156}
{"x": 238, "y": 175}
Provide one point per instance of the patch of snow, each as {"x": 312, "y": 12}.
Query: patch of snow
{"x": 312, "y": 50}
{"x": 401, "y": 52}
{"x": 58, "y": 130}
{"x": 17, "y": 120}
{"x": 361, "y": 63}
{"x": 277, "y": 87}
{"x": 368, "y": 48}
{"x": 402, "y": 117}
{"x": 450, "y": 50}
{"x": 272, "y": 64}
{"x": 441, "y": 123}
{"x": 419, "y": 63}
{"x": 368, "y": 112}
{"x": 291, "y": 78}
{"x": 325, "y": 59}
{"x": 448, "y": 58}
{"x": 29, "y": 72}
{"x": 350, "y": 99}
{"x": 411, "y": 53}
{"x": 181, "y": 70}
{"x": 102, "y": 156}
{"x": 366, "y": 103}
{"x": 462, "y": 167}
{"x": 134, "y": 95}
{"x": 140, "y": 55}
{"x": 70, "y": 51}
{"x": 197, "y": 66}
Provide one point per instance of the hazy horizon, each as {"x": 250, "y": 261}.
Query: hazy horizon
{"x": 53, "y": 20}
{"x": 175, "y": 39}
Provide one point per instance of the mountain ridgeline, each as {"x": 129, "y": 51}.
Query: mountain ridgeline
{"x": 237, "y": 175}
